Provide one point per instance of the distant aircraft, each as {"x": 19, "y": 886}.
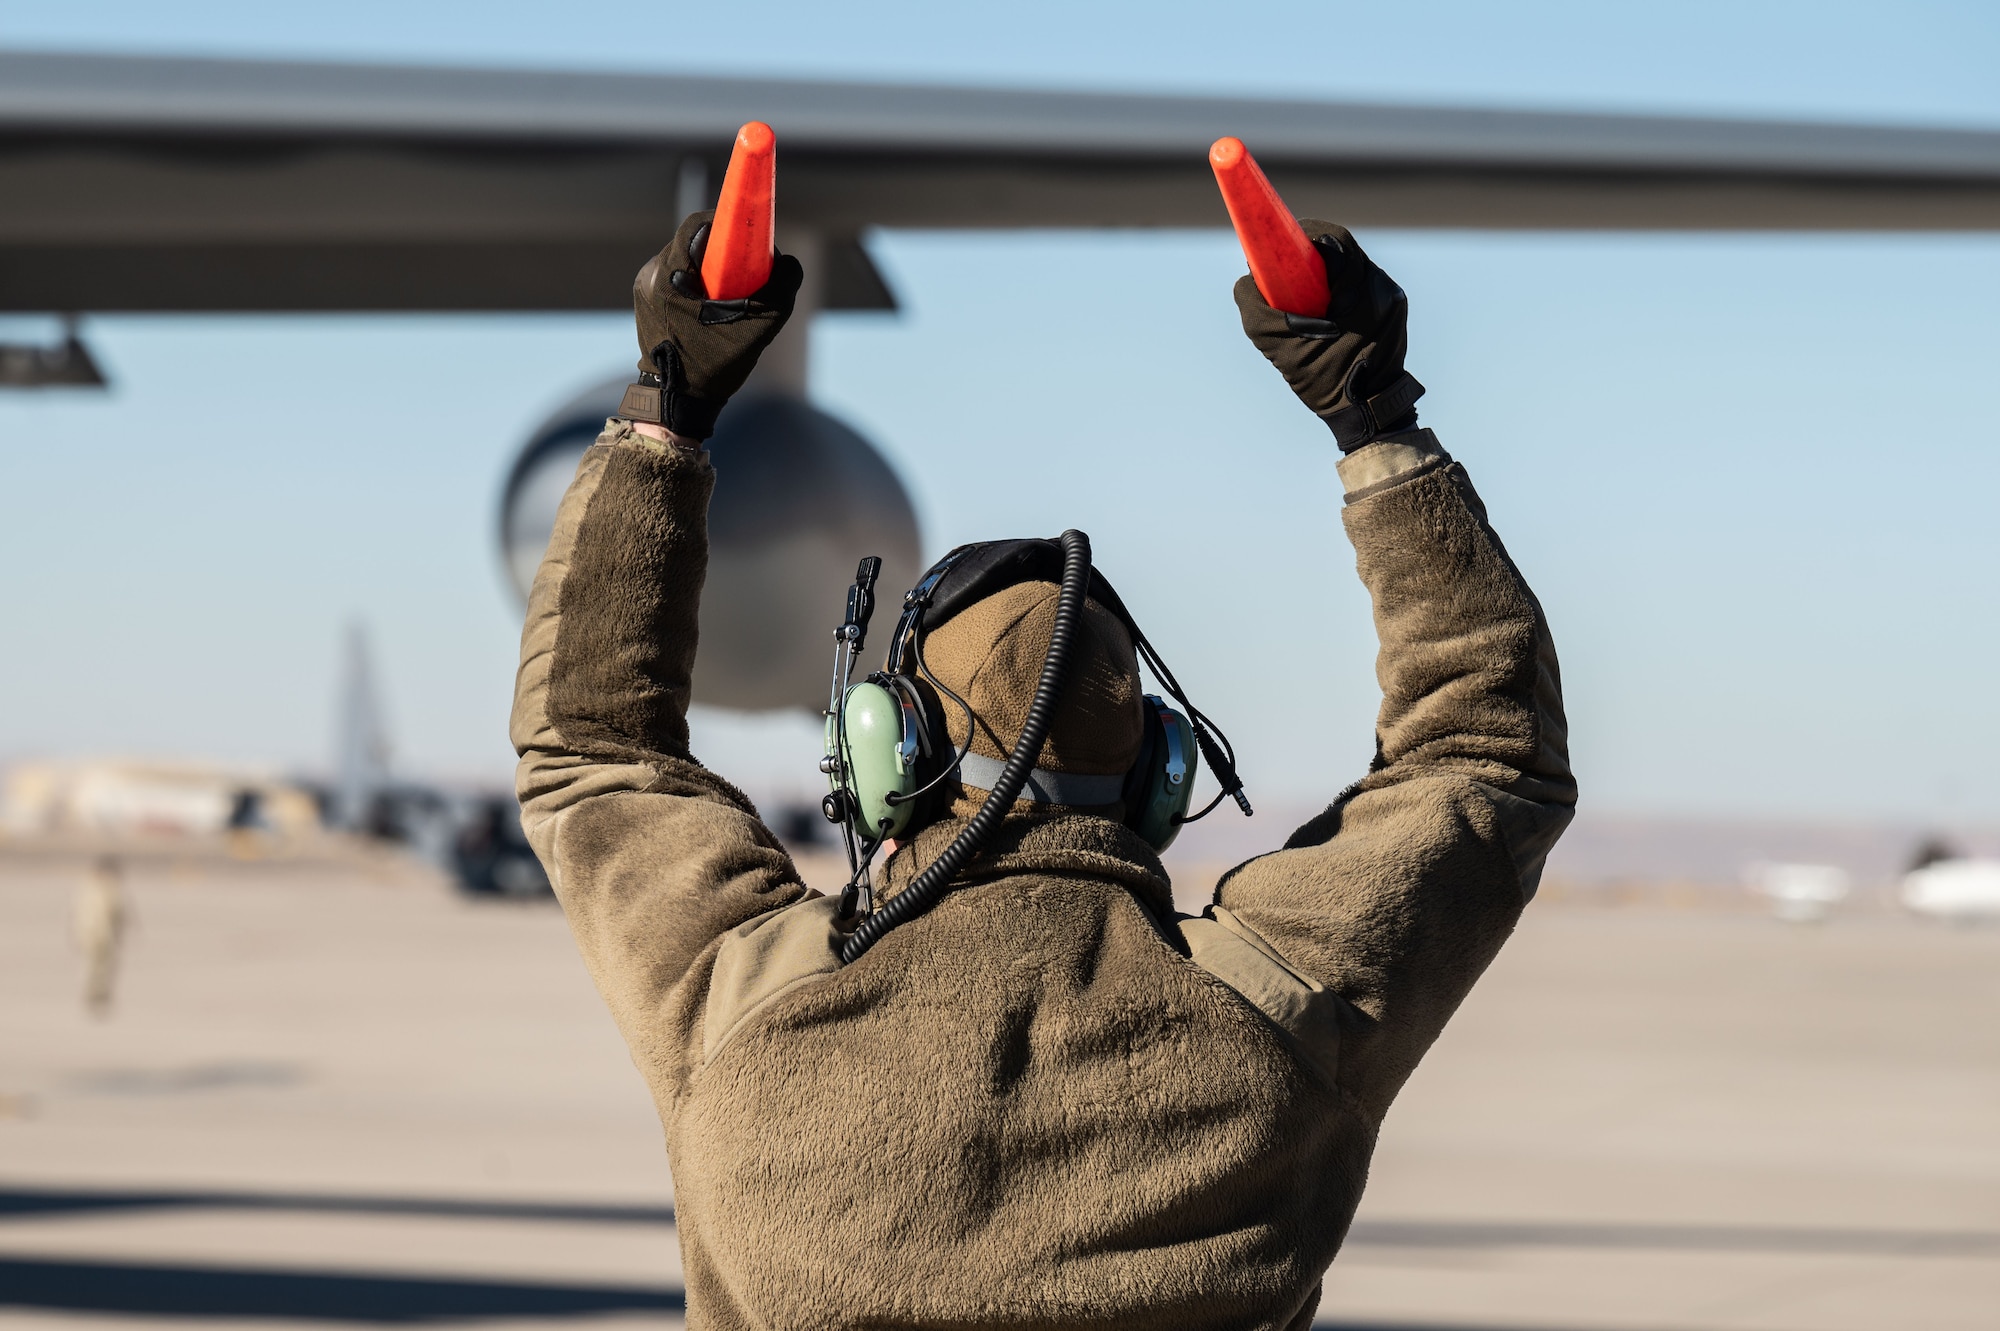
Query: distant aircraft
{"x": 1954, "y": 889}
{"x": 151, "y": 184}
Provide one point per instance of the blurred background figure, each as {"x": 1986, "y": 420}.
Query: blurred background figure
{"x": 102, "y": 919}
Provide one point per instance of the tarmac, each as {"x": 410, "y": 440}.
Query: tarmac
{"x": 332, "y": 1092}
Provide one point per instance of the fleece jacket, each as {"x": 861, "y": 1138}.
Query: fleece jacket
{"x": 1050, "y": 1102}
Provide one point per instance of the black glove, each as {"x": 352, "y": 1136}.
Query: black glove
{"x": 1348, "y": 366}
{"x": 695, "y": 352}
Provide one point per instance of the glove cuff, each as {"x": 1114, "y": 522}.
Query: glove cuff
{"x": 650, "y": 400}
{"x": 1362, "y": 422}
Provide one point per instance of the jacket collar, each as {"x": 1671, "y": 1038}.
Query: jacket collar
{"x": 1065, "y": 844}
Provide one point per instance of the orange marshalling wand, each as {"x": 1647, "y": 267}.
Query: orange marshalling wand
{"x": 1290, "y": 274}
{"x": 738, "y": 259}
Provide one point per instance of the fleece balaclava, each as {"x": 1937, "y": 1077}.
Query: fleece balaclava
{"x": 991, "y": 655}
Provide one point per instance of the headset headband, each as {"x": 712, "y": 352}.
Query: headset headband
{"x": 971, "y": 573}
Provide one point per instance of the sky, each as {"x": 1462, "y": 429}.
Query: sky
{"x": 1751, "y": 477}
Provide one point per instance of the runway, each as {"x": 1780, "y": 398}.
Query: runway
{"x": 333, "y": 1093}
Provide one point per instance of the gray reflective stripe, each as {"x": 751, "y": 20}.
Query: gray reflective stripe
{"x": 1044, "y": 787}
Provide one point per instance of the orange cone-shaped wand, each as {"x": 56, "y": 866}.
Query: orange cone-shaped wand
{"x": 1289, "y": 273}
{"x": 738, "y": 258}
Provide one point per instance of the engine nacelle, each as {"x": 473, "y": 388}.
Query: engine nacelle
{"x": 800, "y": 498}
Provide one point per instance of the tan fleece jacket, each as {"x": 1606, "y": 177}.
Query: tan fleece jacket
{"x": 1049, "y": 1102}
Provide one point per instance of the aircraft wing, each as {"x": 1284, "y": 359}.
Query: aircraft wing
{"x": 135, "y": 183}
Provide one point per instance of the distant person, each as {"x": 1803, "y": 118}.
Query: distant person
{"x": 1032, "y": 1094}
{"x": 245, "y": 822}
{"x": 102, "y": 917}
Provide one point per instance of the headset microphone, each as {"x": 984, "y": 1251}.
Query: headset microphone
{"x": 843, "y": 805}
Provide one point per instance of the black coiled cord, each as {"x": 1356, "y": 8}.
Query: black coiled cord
{"x": 933, "y": 882}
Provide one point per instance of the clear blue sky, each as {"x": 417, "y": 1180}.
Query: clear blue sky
{"x": 1753, "y": 478}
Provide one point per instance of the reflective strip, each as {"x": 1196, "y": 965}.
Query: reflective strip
{"x": 1044, "y": 787}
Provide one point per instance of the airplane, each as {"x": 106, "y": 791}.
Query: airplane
{"x": 188, "y": 185}
{"x": 1951, "y": 887}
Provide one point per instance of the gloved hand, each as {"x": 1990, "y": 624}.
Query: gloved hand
{"x": 695, "y": 352}
{"x": 1348, "y": 366}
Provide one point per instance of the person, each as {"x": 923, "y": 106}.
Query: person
{"x": 1042, "y": 1098}
{"x": 101, "y": 920}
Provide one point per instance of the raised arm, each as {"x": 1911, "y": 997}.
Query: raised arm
{"x": 1398, "y": 896}
{"x": 652, "y": 855}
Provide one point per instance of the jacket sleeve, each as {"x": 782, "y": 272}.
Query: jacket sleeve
{"x": 652, "y": 855}
{"x": 1397, "y": 897}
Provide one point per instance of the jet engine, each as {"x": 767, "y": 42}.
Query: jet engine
{"x": 800, "y": 498}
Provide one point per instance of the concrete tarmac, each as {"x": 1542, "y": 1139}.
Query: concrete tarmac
{"x": 338, "y": 1094}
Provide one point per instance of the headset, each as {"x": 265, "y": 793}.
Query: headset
{"x": 889, "y": 758}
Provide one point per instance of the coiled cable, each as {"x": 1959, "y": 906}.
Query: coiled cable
{"x": 935, "y": 880}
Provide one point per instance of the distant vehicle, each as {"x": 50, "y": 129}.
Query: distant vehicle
{"x": 136, "y": 797}
{"x": 1960, "y": 890}
{"x": 490, "y": 855}
{"x": 1800, "y": 892}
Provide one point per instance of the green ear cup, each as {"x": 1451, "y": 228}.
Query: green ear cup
{"x": 879, "y": 759}
{"x": 1165, "y": 779}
